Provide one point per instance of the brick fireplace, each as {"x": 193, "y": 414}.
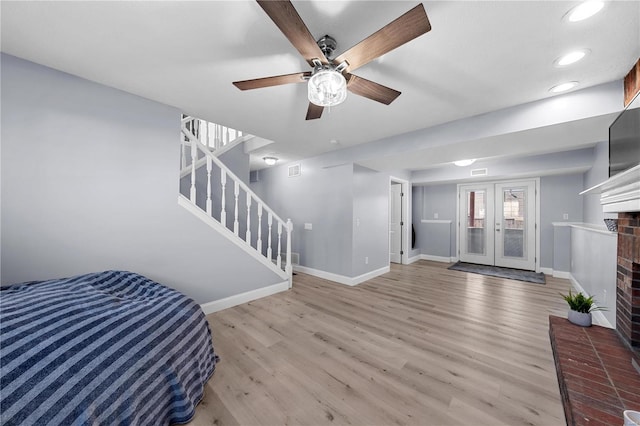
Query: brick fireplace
{"x": 628, "y": 279}
{"x": 599, "y": 368}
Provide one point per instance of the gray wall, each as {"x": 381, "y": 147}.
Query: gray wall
{"x": 322, "y": 197}
{"x": 370, "y": 220}
{"x": 558, "y": 195}
{"x": 598, "y": 173}
{"x": 561, "y": 249}
{"x": 90, "y": 182}
{"x": 332, "y": 199}
{"x": 436, "y": 239}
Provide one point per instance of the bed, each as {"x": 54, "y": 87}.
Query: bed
{"x": 103, "y": 348}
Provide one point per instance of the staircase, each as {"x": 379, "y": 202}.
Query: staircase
{"x": 223, "y": 201}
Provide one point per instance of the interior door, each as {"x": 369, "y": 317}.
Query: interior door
{"x": 395, "y": 223}
{"x": 515, "y": 225}
{"x": 497, "y": 224}
{"x": 476, "y": 229}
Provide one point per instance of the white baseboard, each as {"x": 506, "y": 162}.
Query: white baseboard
{"x": 341, "y": 279}
{"x": 239, "y": 299}
{"x": 438, "y": 258}
{"x": 556, "y": 274}
{"x": 413, "y": 259}
{"x": 598, "y": 316}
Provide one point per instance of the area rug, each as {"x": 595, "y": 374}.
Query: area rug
{"x": 495, "y": 271}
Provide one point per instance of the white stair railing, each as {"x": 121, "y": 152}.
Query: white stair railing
{"x": 251, "y": 221}
{"x": 212, "y": 135}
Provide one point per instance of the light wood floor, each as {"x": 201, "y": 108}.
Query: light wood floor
{"x": 420, "y": 345}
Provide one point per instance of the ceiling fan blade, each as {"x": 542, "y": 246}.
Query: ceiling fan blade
{"x": 276, "y": 80}
{"x": 286, "y": 18}
{"x": 412, "y": 24}
{"x": 314, "y": 111}
{"x": 369, "y": 89}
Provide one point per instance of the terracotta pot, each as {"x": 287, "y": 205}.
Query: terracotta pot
{"x": 580, "y": 318}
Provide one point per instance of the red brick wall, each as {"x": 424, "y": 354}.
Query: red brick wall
{"x": 628, "y": 280}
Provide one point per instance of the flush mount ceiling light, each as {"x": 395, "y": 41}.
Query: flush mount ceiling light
{"x": 584, "y": 10}
{"x": 327, "y": 86}
{"x": 464, "y": 163}
{"x": 270, "y": 160}
{"x": 571, "y": 57}
{"x": 563, "y": 87}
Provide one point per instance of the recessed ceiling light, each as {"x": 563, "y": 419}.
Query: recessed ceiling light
{"x": 463, "y": 163}
{"x": 270, "y": 160}
{"x": 571, "y": 57}
{"x": 584, "y": 10}
{"x": 563, "y": 87}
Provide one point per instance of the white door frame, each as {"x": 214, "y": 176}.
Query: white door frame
{"x": 493, "y": 182}
{"x": 405, "y": 218}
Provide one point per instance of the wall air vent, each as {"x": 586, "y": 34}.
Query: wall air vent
{"x": 294, "y": 170}
{"x": 479, "y": 172}
{"x": 295, "y": 258}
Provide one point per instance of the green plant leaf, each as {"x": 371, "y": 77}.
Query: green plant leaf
{"x": 580, "y": 303}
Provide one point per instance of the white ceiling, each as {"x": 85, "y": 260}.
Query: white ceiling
{"x": 480, "y": 56}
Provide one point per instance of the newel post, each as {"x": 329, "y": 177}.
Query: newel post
{"x": 288, "y": 268}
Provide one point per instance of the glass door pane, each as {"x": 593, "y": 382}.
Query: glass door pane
{"x": 514, "y": 223}
{"x": 476, "y": 226}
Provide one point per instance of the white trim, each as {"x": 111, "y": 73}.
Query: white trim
{"x": 619, "y": 193}
{"x": 494, "y": 182}
{"x": 562, "y": 223}
{"x": 556, "y": 274}
{"x": 239, "y": 299}
{"x": 538, "y": 219}
{"x": 413, "y": 259}
{"x": 442, "y": 259}
{"x": 229, "y": 235}
{"x": 448, "y": 222}
{"x": 598, "y": 316}
{"x": 594, "y": 228}
{"x": 547, "y": 271}
{"x": 341, "y": 279}
{"x": 406, "y": 217}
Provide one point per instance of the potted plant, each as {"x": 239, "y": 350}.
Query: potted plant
{"x": 581, "y": 308}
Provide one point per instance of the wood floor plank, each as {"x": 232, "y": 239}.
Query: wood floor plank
{"x": 418, "y": 345}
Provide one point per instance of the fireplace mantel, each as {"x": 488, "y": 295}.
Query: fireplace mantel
{"x": 619, "y": 193}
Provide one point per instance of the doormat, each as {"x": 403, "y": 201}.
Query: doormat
{"x": 496, "y": 271}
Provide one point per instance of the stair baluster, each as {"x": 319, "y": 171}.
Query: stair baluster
{"x": 259, "y": 242}
{"x": 208, "y": 186}
{"x": 278, "y": 257}
{"x": 236, "y": 224}
{"x": 223, "y": 211}
{"x": 248, "y": 218}
{"x": 200, "y": 136}
{"x": 194, "y": 157}
{"x": 270, "y": 223}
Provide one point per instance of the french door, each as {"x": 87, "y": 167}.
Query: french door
{"x": 497, "y": 224}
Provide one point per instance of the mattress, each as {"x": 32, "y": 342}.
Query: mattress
{"x": 103, "y": 348}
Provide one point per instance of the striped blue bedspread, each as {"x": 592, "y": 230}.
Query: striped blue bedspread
{"x": 108, "y": 348}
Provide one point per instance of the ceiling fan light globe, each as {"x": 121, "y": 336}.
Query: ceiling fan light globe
{"x": 327, "y": 88}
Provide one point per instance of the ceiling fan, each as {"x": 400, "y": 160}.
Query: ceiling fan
{"x": 332, "y": 76}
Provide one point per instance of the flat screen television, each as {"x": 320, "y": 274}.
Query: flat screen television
{"x": 624, "y": 139}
